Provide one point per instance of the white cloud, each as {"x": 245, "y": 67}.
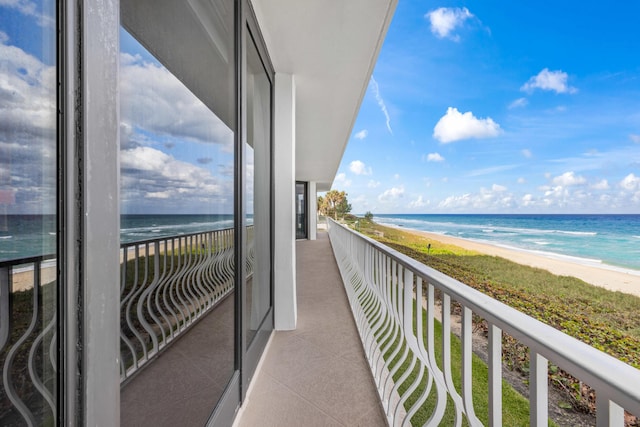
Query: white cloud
{"x": 362, "y": 134}
{"x": 455, "y": 126}
{"x": 601, "y": 185}
{"x": 360, "y": 203}
{"x": 154, "y": 100}
{"x": 391, "y": 194}
{"x": 27, "y": 129}
{"x": 159, "y": 195}
{"x": 148, "y": 173}
{"x": 490, "y": 170}
{"x": 29, "y": 8}
{"x": 635, "y": 138}
{"x": 549, "y": 80}
{"x": 569, "y": 179}
{"x": 631, "y": 182}
{"x": 359, "y": 168}
{"x": 27, "y": 92}
{"x": 494, "y": 199}
{"x": 564, "y": 193}
{"x": 522, "y": 180}
{"x": 445, "y": 20}
{"x": 434, "y": 157}
{"x": 373, "y": 184}
{"x": 527, "y": 153}
{"x": 380, "y": 101}
{"x": 456, "y": 202}
{"x": 519, "y": 103}
{"x": 341, "y": 180}
{"x": 418, "y": 203}
{"x": 396, "y": 176}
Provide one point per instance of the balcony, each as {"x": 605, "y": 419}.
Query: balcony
{"x": 383, "y": 286}
{"x": 360, "y": 334}
{"x": 317, "y": 374}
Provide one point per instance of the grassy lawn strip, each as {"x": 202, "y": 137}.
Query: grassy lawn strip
{"x": 515, "y": 408}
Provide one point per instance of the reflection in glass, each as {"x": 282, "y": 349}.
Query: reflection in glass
{"x": 258, "y": 191}
{"x": 301, "y": 210}
{"x": 177, "y": 197}
{"x": 28, "y": 343}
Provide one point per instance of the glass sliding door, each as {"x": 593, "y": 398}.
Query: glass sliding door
{"x": 257, "y": 191}
{"x": 258, "y": 316}
{"x": 28, "y": 214}
{"x": 302, "y": 220}
{"x": 177, "y": 162}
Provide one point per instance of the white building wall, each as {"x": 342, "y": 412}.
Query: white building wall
{"x": 284, "y": 154}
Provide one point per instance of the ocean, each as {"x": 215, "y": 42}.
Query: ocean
{"x": 599, "y": 240}
{"x": 23, "y": 236}
{"x": 143, "y": 227}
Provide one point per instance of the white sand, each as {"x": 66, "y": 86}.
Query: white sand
{"x": 608, "y": 277}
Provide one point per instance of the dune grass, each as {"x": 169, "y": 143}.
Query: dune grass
{"x": 515, "y": 408}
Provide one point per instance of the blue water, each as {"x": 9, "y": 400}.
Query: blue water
{"x": 591, "y": 239}
{"x": 612, "y": 240}
{"x": 24, "y": 236}
{"x": 143, "y": 227}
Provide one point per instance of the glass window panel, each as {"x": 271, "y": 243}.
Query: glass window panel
{"x": 301, "y": 210}
{"x": 177, "y": 161}
{"x": 28, "y": 205}
{"x": 258, "y": 191}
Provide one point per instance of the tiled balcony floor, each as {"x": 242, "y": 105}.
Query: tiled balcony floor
{"x": 316, "y": 375}
{"x": 181, "y": 387}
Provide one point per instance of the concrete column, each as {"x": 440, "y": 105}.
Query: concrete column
{"x": 98, "y": 207}
{"x": 312, "y": 208}
{"x": 284, "y": 154}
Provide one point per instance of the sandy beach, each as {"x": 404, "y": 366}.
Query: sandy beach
{"x": 611, "y": 278}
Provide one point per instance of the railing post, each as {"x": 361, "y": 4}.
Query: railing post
{"x": 538, "y": 390}
{"x": 467, "y": 359}
{"x": 495, "y": 376}
{"x": 607, "y": 412}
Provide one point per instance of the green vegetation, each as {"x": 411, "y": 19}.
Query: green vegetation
{"x": 515, "y": 408}
{"x": 334, "y": 204}
{"x": 606, "y": 320}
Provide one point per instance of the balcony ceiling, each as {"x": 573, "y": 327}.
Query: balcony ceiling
{"x": 331, "y": 47}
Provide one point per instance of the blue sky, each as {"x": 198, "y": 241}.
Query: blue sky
{"x": 176, "y": 154}
{"x": 506, "y": 107}
{"x": 473, "y": 107}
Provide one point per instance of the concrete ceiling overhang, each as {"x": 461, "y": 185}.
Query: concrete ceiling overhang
{"x": 330, "y": 47}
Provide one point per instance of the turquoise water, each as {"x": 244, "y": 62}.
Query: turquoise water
{"x": 23, "y": 236}
{"x": 606, "y": 240}
{"x": 143, "y": 227}
{"x": 591, "y": 239}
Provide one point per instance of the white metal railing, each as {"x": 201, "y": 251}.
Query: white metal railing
{"x": 28, "y": 340}
{"x": 383, "y": 286}
{"x": 167, "y": 285}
